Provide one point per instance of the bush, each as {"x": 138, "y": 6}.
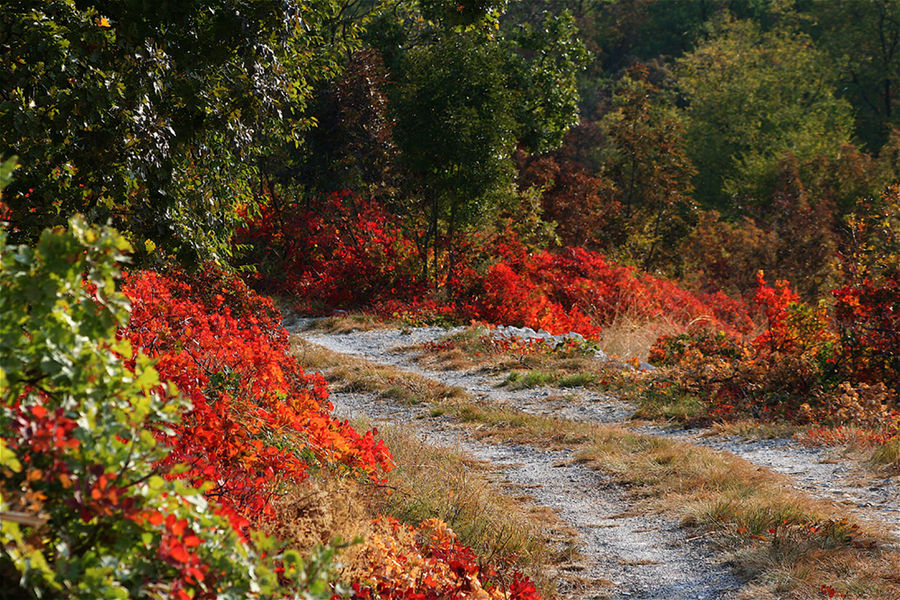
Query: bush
{"x": 429, "y": 563}
{"x": 89, "y": 502}
{"x": 346, "y": 252}
{"x": 806, "y": 366}
{"x": 579, "y": 290}
{"x": 341, "y": 252}
{"x": 255, "y": 417}
{"x": 867, "y": 316}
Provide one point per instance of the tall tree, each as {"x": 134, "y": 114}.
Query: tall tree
{"x": 863, "y": 38}
{"x": 753, "y": 97}
{"x": 352, "y": 145}
{"x": 153, "y": 114}
{"x": 464, "y": 98}
{"x": 645, "y": 157}
{"x": 456, "y": 128}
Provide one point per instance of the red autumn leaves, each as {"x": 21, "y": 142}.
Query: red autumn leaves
{"x": 256, "y": 416}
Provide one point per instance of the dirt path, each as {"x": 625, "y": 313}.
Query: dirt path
{"x": 820, "y": 472}
{"x": 621, "y": 553}
{"x": 642, "y": 556}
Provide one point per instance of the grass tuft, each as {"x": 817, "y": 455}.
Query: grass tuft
{"x": 888, "y": 456}
{"x": 518, "y": 380}
{"x": 439, "y": 482}
{"x": 349, "y": 323}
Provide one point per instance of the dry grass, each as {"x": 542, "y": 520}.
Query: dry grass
{"x": 573, "y": 370}
{"x": 428, "y": 482}
{"x": 319, "y": 510}
{"x": 354, "y": 375}
{"x": 506, "y": 531}
{"x": 438, "y": 482}
{"x": 735, "y": 501}
{"x": 727, "y": 496}
{"x": 471, "y": 351}
{"x": 629, "y": 337}
{"x": 351, "y": 322}
{"x": 887, "y": 457}
{"x": 756, "y": 430}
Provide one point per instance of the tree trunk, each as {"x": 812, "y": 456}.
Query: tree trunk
{"x": 451, "y": 252}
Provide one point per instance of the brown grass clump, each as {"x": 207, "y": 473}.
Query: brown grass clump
{"x": 629, "y": 337}
{"x": 505, "y": 530}
{"x": 320, "y": 510}
{"x": 887, "y": 456}
{"x": 351, "y": 322}
{"x": 756, "y": 430}
{"x": 327, "y": 508}
{"x": 428, "y": 483}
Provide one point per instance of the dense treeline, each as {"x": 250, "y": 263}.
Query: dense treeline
{"x": 712, "y": 138}
{"x": 736, "y": 135}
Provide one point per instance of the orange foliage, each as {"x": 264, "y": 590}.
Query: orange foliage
{"x": 256, "y": 416}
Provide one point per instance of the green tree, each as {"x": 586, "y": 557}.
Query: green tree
{"x": 753, "y": 97}
{"x": 647, "y": 29}
{"x": 155, "y": 114}
{"x": 456, "y": 128}
{"x": 644, "y": 156}
{"x": 546, "y": 58}
{"x": 352, "y": 145}
{"x": 863, "y": 39}
{"x": 464, "y": 98}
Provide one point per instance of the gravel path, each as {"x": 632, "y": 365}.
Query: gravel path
{"x": 820, "y": 472}
{"x": 622, "y": 553}
{"x": 644, "y": 556}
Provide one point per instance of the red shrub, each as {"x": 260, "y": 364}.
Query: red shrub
{"x": 867, "y": 316}
{"x": 793, "y": 327}
{"x": 429, "y": 563}
{"x": 341, "y": 252}
{"x": 579, "y": 290}
{"x": 805, "y": 366}
{"x": 347, "y": 252}
{"x": 256, "y": 417}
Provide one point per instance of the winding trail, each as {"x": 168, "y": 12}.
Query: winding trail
{"x": 622, "y": 553}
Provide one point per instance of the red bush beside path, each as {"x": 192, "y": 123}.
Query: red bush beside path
{"x": 346, "y": 252}
{"x": 579, "y": 290}
{"x": 258, "y": 419}
{"x": 256, "y": 416}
